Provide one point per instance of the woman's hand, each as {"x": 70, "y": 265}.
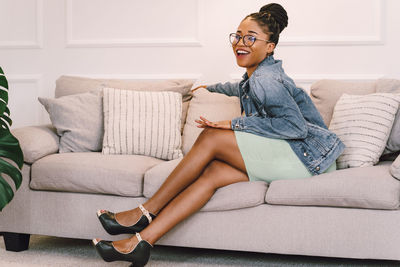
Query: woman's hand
{"x": 201, "y": 86}
{"x": 203, "y": 123}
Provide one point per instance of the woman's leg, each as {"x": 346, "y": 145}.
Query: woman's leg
{"x": 211, "y": 144}
{"x": 217, "y": 174}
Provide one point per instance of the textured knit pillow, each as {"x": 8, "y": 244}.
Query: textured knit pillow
{"x": 142, "y": 123}
{"x": 79, "y": 121}
{"x": 363, "y": 123}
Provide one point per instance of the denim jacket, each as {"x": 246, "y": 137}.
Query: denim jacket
{"x": 276, "y": 108}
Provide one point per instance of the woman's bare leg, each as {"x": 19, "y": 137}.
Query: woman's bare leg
{"x": 210, "y": 145}
{"x": 217, "y": 174}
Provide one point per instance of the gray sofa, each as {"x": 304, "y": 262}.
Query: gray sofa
{"x": 350, "y": 213}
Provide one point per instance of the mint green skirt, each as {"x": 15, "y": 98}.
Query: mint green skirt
{"x": 268, "y": 159}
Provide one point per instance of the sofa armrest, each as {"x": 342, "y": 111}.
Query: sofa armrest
{"x": 37, "y": 141}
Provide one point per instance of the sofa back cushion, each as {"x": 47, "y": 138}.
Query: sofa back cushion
{"x": 325, "y": 94}
{"x": 68, "y": 85}
{"x": 212, "y": 106}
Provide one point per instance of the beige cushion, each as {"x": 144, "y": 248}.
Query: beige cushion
{"x": 37, "y": 141}
{"x": 78, "y": 119}
{"x": 142, "y": 123}
{"x": 365, "y": 187}
{"x": 212, "y": 106}
{"x": 325, "y": 94}
{"x": 92, "y": 172}
{"x": 234, "y": 196}
{"x": 67, "y": 85}
{"x": 363, "y": 123}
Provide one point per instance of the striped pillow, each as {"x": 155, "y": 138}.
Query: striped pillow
{"x": 363, "y": 123}
{"x": 142, "y": 123}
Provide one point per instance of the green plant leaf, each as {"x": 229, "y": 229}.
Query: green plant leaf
{"x": 7, "y": 193}
{"x": 15, "y": 174}
{"x": 3, "y": 92}
{"x": 9, "y": 148}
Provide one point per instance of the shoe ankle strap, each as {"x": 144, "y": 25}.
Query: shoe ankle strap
{"x": 145, "y": 213}
{"x": 139, "y": 238}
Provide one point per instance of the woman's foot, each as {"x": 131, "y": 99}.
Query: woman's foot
{"x": 133, "y": 250}
{"x": 126, "y": 245}
{"x": 129, "y": 217}
{"x": 127, "y": 222}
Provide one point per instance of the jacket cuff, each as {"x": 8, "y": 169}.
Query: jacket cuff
{"x": 237, "y": 124}
{"x": 210, "y": 88}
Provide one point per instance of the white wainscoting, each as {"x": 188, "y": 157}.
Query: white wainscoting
{"x": 350, "y": 40}
{"x": 326, "y": 22}
{"x": 23, "y": 91}
{"x": 22, "y": 24}
{"x": 154, "y": 20}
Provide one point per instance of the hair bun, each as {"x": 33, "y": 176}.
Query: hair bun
{"x": 277, "y": 12}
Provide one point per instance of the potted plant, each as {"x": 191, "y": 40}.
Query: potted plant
{"x": 10, "y": 150}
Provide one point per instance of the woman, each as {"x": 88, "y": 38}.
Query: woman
{"x": 281, "y": 136}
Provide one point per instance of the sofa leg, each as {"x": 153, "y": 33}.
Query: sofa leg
{"x": 16, "y": 242}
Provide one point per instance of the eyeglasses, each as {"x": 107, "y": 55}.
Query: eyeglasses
{"x": 248, "y": 40}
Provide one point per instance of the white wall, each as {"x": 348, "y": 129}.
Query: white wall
{"x": 155, "y": 39}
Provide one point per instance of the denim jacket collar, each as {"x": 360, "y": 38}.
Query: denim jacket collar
{"x": 268, "y": 61}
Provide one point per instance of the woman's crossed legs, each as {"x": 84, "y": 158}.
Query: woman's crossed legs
{"x": 213, "y": 162}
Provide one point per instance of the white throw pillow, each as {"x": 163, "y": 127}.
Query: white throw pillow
{"x": 142, "y": 123}
{"x": 212, "y": 106}
{"x": 363, "y": 123}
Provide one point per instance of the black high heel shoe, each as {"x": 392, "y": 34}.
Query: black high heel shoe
{"x": 139, "y": 255}
{"x": 112, "y": 226}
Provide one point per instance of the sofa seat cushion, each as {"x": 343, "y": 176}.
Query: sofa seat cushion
{"x": 92, "y": 172}
{"x": 364, "y": 187}
{"x": 234, "y": 196}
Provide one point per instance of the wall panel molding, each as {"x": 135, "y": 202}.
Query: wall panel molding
{"x": 134, "y": 42}
{"x": 306, "y": 80}
{"x": 19, "y": 115}
{"x": 378, "y": 39}
{"x": 142, "y": 77}
{"x": 38, "y": 42}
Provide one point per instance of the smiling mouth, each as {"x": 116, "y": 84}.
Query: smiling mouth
{"x": 241, "y": 52}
